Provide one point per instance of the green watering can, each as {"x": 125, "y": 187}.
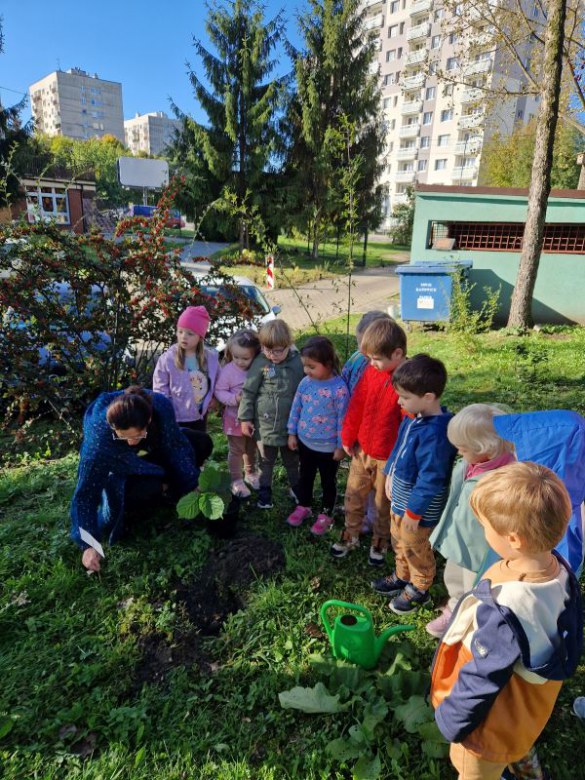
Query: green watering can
{"x": 352, "y": 636}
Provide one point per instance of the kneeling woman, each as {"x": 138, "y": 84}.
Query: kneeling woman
{"x": 133, "y": 454}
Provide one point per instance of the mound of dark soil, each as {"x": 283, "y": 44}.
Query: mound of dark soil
{"x": 208, "y": 601}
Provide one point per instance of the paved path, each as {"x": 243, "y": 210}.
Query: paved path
{"x": 327, "y": 298}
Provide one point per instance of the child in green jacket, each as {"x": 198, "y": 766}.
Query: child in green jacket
{"x": 267, "y": 398}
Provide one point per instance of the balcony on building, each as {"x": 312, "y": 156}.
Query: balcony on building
{"x": 417, "y": 32}
{"x": 464, "y": 173}
{"x": 408, "y": 153}
{"x": 399, "y": 197}
{"x": 409, "y": 131}
{"x": 481, "y": 66}
{"x": 415, "y": 57}
{"x": 411, "y": 107}
{"x": 413, "y": 82}
{"x": 471, "y": 120}
{"x": 405, "y": 176}
{"x": 374, "y": 21}
{"x": 471, "y": 146}
{"x": 472, "y": 95}
{"x": 369, "y": 3}
{"x": 420, "y": 7}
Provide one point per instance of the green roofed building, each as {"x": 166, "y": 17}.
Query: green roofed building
{"x": 486, "y": 225}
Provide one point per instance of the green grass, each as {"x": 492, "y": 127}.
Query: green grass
{"x": 71, "y": 646}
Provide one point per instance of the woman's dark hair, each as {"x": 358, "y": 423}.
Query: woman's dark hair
{"x": 321, "y": 350}
{"x": 133, "y": 409}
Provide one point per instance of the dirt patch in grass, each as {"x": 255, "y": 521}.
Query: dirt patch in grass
{"x": 219, "y": 591}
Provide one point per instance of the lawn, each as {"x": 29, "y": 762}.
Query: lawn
{"x": 169, "y": 664}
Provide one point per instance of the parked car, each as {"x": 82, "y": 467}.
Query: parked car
{"x": 174, "y": 219}
{"x": 226, "y": 325}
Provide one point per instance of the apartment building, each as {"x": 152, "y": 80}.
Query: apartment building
{"x": 78, "y": 105}
{"x": 151, "y": 133}
{"x": 434, "y": 95}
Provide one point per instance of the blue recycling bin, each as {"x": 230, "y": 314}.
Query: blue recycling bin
{"x": 426, "y": 288}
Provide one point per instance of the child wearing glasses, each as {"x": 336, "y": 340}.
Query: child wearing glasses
{"x": 240, "y": 352}
{"x": 187, "y": 372}
{"x": 267, "y": 398}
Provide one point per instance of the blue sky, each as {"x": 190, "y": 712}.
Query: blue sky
{"x": 142, "y": 43}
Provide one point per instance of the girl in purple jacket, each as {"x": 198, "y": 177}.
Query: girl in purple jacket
{"x": 187, "y": 372}
{"x": 240, "y": 351}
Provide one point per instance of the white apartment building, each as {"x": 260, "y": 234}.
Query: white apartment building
{"x": 78, "y": 105}
{"x": 436, "y": 127}
{"x": 151, "y": 133}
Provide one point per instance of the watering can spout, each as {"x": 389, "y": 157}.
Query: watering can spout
{"x": 387, "y": 633}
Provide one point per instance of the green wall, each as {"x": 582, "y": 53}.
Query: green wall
{"x": 559, "y": 295}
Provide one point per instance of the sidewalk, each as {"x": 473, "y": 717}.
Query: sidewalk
{"x": 372, "y": 288}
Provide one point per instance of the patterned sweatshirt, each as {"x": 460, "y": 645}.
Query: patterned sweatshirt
{"x": 317, "y": 413}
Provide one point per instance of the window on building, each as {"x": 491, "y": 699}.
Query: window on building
{"x": 452, "y": 38}
{"x": 386, "y": 103}
{"x": 390, "y": 55}
{"x": 435, "y": 41}
{"x": 396, "y": 99}
{"x": 401, "y": 28}
{"x": 392, "y": 124}
{"x": 425, "y": 142}
{"x": 427, "y": 117}
{"x": 47, "y": 203}
{"x": 401, "y": 189}
{"x": 507, "y": 236}
{"x": 447, "y": 115}
{"x": 393, "y": 31}
{"x": 452, "y": 63}
{"x": 430, "y": 93}
{"x": 468, "y": 162}
{"x": 448, "y": 90}
{"x": 443, "y": 140}
{"x": 520, "y": 114}
{"x": 422, "y": 165}
{"x": 399, "y": 53}
{"x": 439, "y": 14}
{"x": 440, "y": 165}
{"x": 394, "y": 6}
{"x": 392, "y": 78}
{"x": 407, "y": 167}
{"x": 432, "y": 68}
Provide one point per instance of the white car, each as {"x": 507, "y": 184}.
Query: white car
{"x": 225, "y": 324}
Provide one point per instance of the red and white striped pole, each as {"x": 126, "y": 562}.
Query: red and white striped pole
{"x": 270, "y": 272}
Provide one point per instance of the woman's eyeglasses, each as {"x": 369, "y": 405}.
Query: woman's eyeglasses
{"x": 138, "y": 437}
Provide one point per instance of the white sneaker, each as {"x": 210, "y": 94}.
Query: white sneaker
{"x": 341, "y": 548}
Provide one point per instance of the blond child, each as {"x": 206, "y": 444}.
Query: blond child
{"x": 267, "y": 398}
{"x": 458, "y": 536}
{"x": 240, "y": 351}
{"x": 517, "y": 635}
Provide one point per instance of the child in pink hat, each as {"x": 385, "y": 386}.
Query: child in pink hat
{"x": 187, "y": 372}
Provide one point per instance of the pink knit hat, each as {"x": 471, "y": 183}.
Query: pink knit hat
{"x": 195, "y": 318}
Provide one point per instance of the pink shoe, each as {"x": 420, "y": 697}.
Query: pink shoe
{"x": 321, "y": 525}
{"x": 297, "y": 516}
{"x": 438, "y": 626}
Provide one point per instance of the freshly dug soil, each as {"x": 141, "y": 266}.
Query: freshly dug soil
{"x": 219, "y": 591}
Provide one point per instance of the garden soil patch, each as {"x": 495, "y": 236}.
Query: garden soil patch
{"x": 219, "y": 591}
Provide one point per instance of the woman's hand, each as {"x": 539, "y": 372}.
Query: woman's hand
{"x": 338, "y": 453}
{"x": 91, "y": 559}
{"x": 293, "y": 442}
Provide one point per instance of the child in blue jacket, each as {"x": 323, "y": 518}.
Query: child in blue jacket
{"x": 417, "y": 482}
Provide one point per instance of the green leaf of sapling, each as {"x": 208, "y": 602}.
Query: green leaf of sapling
{"x": 367, "y": 768}
{"x": 188, "y": 506}
{"x": 311, "y": 700}
{"x": 211, "y": 506}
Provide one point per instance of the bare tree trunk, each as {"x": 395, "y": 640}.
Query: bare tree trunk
{"x": 365, "y": 251}
{"x": 521, "y": 305}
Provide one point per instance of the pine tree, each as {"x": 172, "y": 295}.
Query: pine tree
{"x": 241, "y": 103}
{"x": 334, "y": 80}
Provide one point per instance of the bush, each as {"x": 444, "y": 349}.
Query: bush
{"x": 83, "y": 314}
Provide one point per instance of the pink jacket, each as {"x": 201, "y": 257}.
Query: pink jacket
{"x": 228, "y": 391}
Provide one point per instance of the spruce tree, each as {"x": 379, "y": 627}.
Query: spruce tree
{"x": 334, "y": 79}
{"x": 240, "y": 99}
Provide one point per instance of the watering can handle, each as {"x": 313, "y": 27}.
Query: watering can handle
{"x": 342, "y": 605}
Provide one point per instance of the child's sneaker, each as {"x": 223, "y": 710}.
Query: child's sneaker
{"x": 390, "y": 585}
{"x": 264, "y": 498}
{"x": 297, "y": 516}
{"x": 410, "y": 599}
{"x": 579, "y": 706}
{"x": 344, "y": 545}
{"x": 321, "y": 525}
{"x": 377, "y": 556}
{"x": 240, "y": 490}
{"x": 253, "y": 480}
{"x": 438, "y": 626}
